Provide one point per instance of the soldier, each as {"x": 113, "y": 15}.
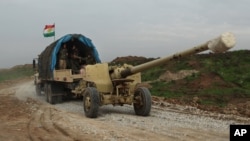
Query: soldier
{"x": 74, "y": 60}
{"x": 63, "y": 53}
{"x": 90, "y": 58}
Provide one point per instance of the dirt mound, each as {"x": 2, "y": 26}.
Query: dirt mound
{"x": 169, "y": 76}
{"x": 209, "y": 80}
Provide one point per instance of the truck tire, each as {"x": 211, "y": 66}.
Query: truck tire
{"x": 57, "y": 92}
{"x": 53, "y": 92}
{"x": 142, "y": 101}
{"x": 91, "y": 102}
{"x": 46, "y": 92}
{"x": 51, "y": 98}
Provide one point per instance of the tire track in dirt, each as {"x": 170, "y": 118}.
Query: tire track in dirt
{"x": 47, "y": 123}
{"x": 42, "y": 122}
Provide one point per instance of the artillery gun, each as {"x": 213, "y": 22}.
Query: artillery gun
{"x": 101, "y": 84}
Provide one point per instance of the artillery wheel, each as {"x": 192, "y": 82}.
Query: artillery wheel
{"x": 142, "y": 101}
{"x": 38, "y": 89}
{"x": 91, "y": 102}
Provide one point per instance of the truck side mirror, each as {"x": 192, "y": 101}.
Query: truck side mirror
{"x": 34, "y": 63}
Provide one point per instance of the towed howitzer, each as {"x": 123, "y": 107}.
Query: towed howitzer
{"x": 121, "y": 85}
{"x": 100, "y": 84}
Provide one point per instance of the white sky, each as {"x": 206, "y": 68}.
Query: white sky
{"x": 150, "y": 28}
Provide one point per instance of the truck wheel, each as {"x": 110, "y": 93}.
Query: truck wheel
{"x": 142, "y": 101}
{"x": 91, "y": 102}
{"x": 51, "y": 99}
{"x": 46, "y": 92}
{"x": 38, "y": 89}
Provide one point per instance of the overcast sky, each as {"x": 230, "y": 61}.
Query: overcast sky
{"x": 150, "y": 28}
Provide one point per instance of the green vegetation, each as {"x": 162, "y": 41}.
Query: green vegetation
{"x": 227, "y": 76}
{"x": 232, "y": 67}
{"x": 163, "y": 89}
{"x": 153, "y": 73}
{"x": 16, "y": 72}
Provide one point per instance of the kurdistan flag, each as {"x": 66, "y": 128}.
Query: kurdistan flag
{"x": 49, "y": 30}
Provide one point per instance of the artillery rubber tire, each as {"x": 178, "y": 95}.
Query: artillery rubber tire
{"x": 91, "y": 102}
{"x": 51, "y": 98}
{"x": 142, "y": 106}
{"x": 38, "y": 89}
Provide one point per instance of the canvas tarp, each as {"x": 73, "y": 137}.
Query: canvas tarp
{"x": 48, "y": 59}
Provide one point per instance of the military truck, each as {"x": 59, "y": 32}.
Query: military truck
{"x": 55, "y": 81}
{"x": 100, "y": 84}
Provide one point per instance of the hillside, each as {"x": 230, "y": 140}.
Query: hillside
{"x": 16, "y": 72}
{"x": 217, "y": 82}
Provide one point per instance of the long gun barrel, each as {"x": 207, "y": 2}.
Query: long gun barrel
{"x": 220, "y": 44}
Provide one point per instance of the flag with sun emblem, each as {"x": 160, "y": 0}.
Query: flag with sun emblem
{"x": 49, "y": 30}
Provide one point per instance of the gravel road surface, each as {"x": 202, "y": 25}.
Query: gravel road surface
{"x": 171, "y": 122}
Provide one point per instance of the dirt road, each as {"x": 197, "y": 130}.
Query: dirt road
{"x": 25, "y": 116}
